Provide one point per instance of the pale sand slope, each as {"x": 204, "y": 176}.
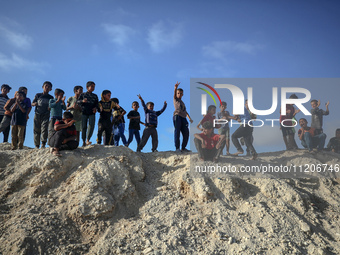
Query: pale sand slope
{"x": 111, "y": 200}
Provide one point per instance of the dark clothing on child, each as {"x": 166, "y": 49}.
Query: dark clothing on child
{"x": 151, "y": 122}
{"x": 41, "y": 118}
{"x": 3, "y": 101}
{"x": 134, "y": 126}
{"x": 42, "y": 101}
{"x": 87, "y": 113}
{"x": 119, "y": 125}
{"x": 5, "y": 123}
{"x": 151, "y": 115}
{"x": 18, "y": 124}
{"x": 134, "y": 123}
{"x": 317, "y": 119}
{"x": 334, "y": 144}
{"x": 92, "y": 102}
{"x": 57, "y": 137}
{"x": 104, "y": 123}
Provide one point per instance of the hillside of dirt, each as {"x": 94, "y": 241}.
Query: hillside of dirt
{"x": 111, "y": 200}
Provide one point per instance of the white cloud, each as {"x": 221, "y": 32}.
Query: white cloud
{"x": 119, "y": 34}
{"x": 18, "y": 40}
{"x": 220, "y": 49}
{"x": 161, "y": 37}
{"x": 17, "y": 62}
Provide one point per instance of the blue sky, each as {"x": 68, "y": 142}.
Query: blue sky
{"x": 132, "y": 47}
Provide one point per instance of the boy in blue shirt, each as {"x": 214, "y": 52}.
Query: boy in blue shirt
{"x": 57, "y": 105}
{"x": 151, "y": 124}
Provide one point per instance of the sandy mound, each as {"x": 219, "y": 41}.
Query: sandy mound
{"x": 111, "y": 200}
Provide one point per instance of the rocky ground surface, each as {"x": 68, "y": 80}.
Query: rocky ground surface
{"x": 111, "y": 200}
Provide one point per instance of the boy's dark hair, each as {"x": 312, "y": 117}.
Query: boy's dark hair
{"x": 314, "y": 100}
{"x": 58, "y": 91}
{"x": 337, "y": 130}
{"x": 76, "y": 88}
{"x": 207, "y": 125}
{"x": 67, "y": 115}
{"x": 105, "y": 92}
{"x": 224, "y": 103}
{"x": 180, "y": 90}
{"x": 47, "y": 83}
{"x": 21, "y": 93}
{"x": 89, "y": 83}
{"x": 211, "y": 107}
{"x": 22, "y": 89}
{"x": 115, "y": 100}
{"x": 135, "y": 102}
{"x": 6, "y": 86}
{"x": 303, "y": 119}
{"x": 149, "y": 103}
{"x": 293, "y": 96}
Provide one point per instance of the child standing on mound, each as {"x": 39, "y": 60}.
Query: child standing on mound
{"x": 151, "y": 124}
{"x": 104, "y": 123}
{"x": 42, "y": 115}
{"x": 18, "y": 121}
{"x": 75, "y": 109}
{"x": 57, "y": 105}
{"x": 118, "y": 123}
{"x": 180, "y": 120}
{"x": 89, "y": 105}
{"x": 3, "y": 100}
{"x": 134, "y": 125}
{"x": 317, "y": 116}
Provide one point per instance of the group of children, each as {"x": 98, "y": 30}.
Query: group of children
{"x": 63, "y": 130}
{"x": 210, "y": 145}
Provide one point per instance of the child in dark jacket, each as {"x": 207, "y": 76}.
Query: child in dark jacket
{"x": 151, "y": 124}
{"x": 89, "y": 106}
{"x": 18, "y": 121}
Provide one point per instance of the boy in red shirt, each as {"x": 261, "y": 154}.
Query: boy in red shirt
{"x": 209, "y": 145}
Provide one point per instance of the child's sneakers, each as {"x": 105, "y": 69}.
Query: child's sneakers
{"x": 185, "y": 150}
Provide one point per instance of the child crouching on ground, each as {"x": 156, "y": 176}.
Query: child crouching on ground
{"x": 64, "y": 135}
{"x": 151, "y": 124}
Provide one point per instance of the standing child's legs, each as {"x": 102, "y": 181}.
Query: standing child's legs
{"x": 5, "y": 130}
{"x": 131, "y": 132}
{"x": 14, "y": 137}
{"x": 108, "y": 130}
{"x": 146, "y": 134}
{"x": 100, "y": 131}
{"x": 137, "y": 136}
{"x": 154, "y": 137}
{"x": 177, "y": 132}
{"x": 92, "y": 120}
{"x": 21, "y": 133}
{"x": 37, "y": 130}
{"x": 84, "y": 128}
{"x": 185, "y": 132}
{"x": 44, "y": 128}
{"x": 121, "y": 128}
